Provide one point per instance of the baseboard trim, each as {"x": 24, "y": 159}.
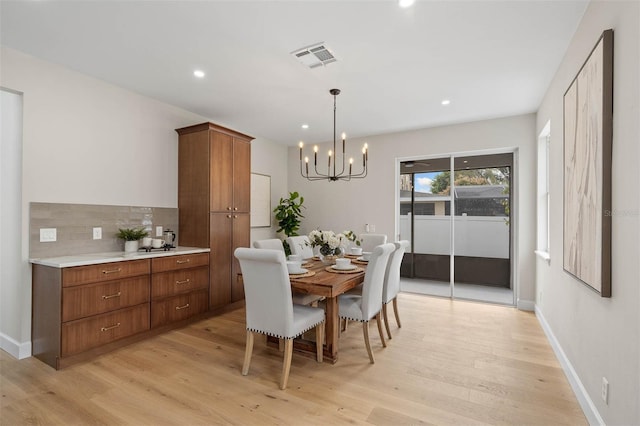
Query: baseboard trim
{"x": 13, "y": 348}
{"x": 526, "y": 305}
{"x": 588, "y": 407}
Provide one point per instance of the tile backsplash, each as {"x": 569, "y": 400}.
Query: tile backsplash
{"x": 74, "y": 225}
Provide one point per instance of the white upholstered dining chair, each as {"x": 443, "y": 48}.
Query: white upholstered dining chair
{"x": 301, "y": 245}
{"x": 363, "y": 307}
{"x": 276, "y": 244}
{"x": 370, "y": 241}
{"x": 391, "y": 286}
{"x": 272, "y": 244}
{"x": 269, "y": 309}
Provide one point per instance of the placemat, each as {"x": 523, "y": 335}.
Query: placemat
{"x": 337, "y": 271}
{"x": 352, "y": 256}
{"x": 305, "y": 275}
{"x": 307, "y": 265}
{"x": 360, "y": 262}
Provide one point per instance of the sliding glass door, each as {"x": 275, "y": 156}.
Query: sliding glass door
{"x": 455, "y": 211}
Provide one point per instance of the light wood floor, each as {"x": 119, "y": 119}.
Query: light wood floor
{"x": 450, "y": 363}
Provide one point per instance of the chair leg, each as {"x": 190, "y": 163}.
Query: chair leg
{"x": 395, "y": 311}
{"x": 365, "y": 330}
{"x": 248, "y": 350}
{"x": 386, "y": 320}
{"x": 379, "y": 321}
{"x": 319, "y": 341}
{"x": 286, "y": 364}
{"x": 280, "y": 345}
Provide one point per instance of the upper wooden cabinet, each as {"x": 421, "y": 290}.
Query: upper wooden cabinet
{"x": 214, "y": 178}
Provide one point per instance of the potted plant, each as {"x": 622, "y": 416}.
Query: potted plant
{"x": 131, "y": 236}
{"x": 288, "y": 213}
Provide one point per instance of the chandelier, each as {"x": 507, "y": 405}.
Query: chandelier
{"x": 332, "y": 174}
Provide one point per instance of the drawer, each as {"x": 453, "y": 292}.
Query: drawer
{"x": 176, "y": 282}
{"x": 172, "y": 263}
{"x": 91, "y": 299}
{"x": 177, "y": 308}
{"x": 80, "y": 335}
{"x": 104, "y": 272}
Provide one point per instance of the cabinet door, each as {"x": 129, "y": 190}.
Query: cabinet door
{"x": 241, "y": 176}
{"x": 221, "y": 172}
{"x": 241, "y": 238}
{"x": 221, "y": 258}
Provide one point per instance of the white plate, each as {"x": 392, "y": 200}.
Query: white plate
{"x": 300, "y": 272}
{"x": 348, "y": 268}
{"x": 361, "y": 259}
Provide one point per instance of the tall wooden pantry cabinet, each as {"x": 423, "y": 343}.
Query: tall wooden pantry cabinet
{"x": 214, "y": 176}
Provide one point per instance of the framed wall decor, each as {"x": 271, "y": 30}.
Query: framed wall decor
{"x": 588, "y": 134}
{"x": 260, "y": 200}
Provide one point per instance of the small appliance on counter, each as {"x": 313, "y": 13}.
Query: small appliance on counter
{"x": 169, "y": 238}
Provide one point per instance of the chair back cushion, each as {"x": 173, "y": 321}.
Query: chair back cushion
{"x": 371, "y": 241}
{"x": 392, "y": 274}
{"x": 300, "y": 245}
{"x": 374, "y": 281}
{"x": 272, "y": 244}
{"x": 267, "y": 291}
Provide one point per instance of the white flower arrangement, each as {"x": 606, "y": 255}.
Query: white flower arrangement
{"x": 328, "y": 241}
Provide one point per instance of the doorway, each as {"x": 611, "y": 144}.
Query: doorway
{"x": 456, "y": 212}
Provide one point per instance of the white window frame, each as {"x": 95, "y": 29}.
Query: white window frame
{"x": 543, "y": 199}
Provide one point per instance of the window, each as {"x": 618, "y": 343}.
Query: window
{"x": 542, "y": 245}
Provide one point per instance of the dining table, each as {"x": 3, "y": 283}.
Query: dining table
{"x": 324, "y": 281}
{"x": 330, "y": 285}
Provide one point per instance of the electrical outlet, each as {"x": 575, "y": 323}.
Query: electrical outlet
{"x": 97, "y": 233}
{"x": 372, "y": 228}
{"x": 605, "y": 390}
{"x": 158, "y": 231}
{"x": 48, "y": 235}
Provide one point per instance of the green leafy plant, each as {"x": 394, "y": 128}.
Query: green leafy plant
{"x": 351, "y": 236}
{"x": 288, "y": 213}
{"x": 131, "y": 234}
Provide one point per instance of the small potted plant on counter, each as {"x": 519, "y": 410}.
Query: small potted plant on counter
{"x": 131, "y": 237}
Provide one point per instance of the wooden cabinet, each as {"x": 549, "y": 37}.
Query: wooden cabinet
{"x": 179, "y": 287}
{"x": 79, "y": 308}
{"x": 214, "y": 175}
{"x": 81, "y": 311}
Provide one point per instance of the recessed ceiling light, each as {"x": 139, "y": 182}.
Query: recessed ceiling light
{"x": 198, "y": 73}
{"x": 405, "y": 3}
{"x": 305, "y": 126}
{"x": 445, "y": 102}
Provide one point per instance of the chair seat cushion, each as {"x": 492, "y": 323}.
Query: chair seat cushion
{"x": 349, "y": 307}
{"x": 304, "y": 299}
{"x": 305, "y": 318}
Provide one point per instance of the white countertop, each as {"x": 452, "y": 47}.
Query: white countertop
{"x": 116, "y": 256}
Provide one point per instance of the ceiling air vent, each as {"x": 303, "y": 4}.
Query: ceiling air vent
{"x": 314, "y": 56}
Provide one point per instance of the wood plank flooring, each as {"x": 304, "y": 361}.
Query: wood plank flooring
{"x": 450, "y": 363}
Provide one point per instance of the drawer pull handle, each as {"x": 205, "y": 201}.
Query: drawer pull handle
{"x": 183, "y": 261}
{"x": 111, "y": 296}
{"x": 182, "y": 307}
{"x": 110, "y": 328}
{"x": 235, "y": 216}
{"x": 112, "y": 271}
{"x": 187, "y": 281}
{"x": 228, "y": 216}
{"x": 235, "y": 209}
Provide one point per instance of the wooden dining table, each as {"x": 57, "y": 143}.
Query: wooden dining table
{"x": 330, "y": 285}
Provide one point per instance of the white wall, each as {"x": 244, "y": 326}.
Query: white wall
{"x": 270, "y": 159}
{"x": 89, "y": 142}
{"x": 351, "y": 205}
{"x": 600, "y": 337}
{"x": 12, "y": 296}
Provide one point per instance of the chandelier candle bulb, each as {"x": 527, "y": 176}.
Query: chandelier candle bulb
{"x": 306, "y": 163}
{"x": 350, "y": 165}
{"x": 344, "y": 137}
{"x": 315, "y": 155}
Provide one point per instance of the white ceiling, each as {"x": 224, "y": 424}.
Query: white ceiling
{"x": 395, "y": 66}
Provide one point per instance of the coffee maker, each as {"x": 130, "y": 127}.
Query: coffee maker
{"x": 169, "y": 238}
